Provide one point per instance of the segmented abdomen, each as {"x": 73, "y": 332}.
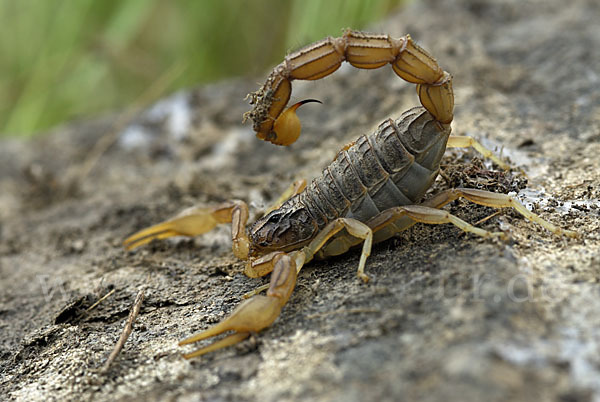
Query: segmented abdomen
{"x": 393, "y": 166}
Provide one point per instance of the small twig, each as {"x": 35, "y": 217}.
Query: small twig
{"x": 106, "y": 296}
{"x": 487, "y": 217}
{"x": 126, "y": 331}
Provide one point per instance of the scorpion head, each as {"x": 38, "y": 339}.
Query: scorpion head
{"x": 283, "y": 229}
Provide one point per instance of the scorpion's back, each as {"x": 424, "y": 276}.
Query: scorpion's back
{"x": 393, "y": 166}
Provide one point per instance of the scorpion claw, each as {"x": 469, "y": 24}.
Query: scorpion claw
{"x": 191, "y": 222}
{"x": 252, "y": 315}
{"x": 256, "y": 313}
{"x": 196, "y": 221}
{"x": 227, "y": 341}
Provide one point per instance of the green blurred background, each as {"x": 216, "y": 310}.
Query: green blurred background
{"x": 63, "y": 59}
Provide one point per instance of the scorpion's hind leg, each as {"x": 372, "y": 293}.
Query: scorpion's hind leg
{"x": 463, "y": 141}
{"x": 393, "y": 220}
{"x": 199, "y": 220}
{"x": 495, "y": 200}
{"x": 258, "y": 312}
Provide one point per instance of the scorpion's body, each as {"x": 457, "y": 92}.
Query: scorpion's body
{"x": 367, "y": 194}
{"x": 393, "y": 166}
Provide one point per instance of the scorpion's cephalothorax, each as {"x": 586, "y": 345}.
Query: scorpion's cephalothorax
{"x": 285, "y": 228}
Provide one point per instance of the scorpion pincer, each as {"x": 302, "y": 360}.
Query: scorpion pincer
{"x": 372, "y": 189}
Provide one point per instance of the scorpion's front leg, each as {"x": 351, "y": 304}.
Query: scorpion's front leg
{"x": 198, "y": 220}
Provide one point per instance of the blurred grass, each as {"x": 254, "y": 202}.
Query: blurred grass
{"x": 62, "y": 59}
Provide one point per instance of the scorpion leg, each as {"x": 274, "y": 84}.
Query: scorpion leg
{"x": 460, "y": 141}
{"x": 393, "y": 221}
{"x": 198, "y": 220}
{"x": 355, "y": 229}
{"x": 356, "y": 232}
{"x": 258, "y": 312}
{"x": 495, "y": 200}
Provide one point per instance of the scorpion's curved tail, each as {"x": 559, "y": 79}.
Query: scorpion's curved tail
{"x": 366, "y": 51}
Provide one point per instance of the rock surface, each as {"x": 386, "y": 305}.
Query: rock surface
{"x": 445, "y": 316}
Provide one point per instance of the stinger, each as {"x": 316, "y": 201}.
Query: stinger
{"x": 287, "y": 126}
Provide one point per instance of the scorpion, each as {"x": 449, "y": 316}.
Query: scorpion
{"x": 369, "y": 193}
